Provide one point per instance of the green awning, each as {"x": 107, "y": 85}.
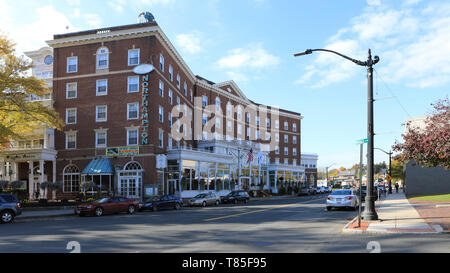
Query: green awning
{"x": 99, "y": 167}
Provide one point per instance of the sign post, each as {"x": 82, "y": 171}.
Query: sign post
{"x": 361, "y": 145}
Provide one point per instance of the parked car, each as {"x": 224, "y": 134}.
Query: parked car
{"x": 306, "y": 191}
{"x": 346, "y": 187}
{"x": 364, "y": 193}
{"x": 343, "y": 198}
{"x": 165, "y": 202}
{"x": 329, "y": 189}
{"x": 108, "y": 205}
{"x": 320, "y": 190}
{"x": 204, "y": 199}
{"x": 235, "y": 197}
{"x": 9, "y": 208}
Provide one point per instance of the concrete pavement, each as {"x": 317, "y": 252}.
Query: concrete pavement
{"x": 396, "y": 215}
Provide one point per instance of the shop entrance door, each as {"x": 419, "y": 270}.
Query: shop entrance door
{"x": 173, "y": 187}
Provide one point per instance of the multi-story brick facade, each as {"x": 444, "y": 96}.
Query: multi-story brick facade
{"x": 106, "y": 105}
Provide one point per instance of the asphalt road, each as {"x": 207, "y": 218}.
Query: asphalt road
{"x": 288, "y": 225}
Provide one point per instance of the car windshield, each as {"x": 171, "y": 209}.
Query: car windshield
{"x": 200, "y": 196}
{"x": 341, "y": 192}
{"x": 103, "y": 200}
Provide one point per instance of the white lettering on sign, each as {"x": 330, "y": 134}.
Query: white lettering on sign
{"x": 144, "y": 116}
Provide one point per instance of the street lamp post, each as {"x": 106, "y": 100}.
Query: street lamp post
{"x": 369, "y": 211}
{"x": 327, "y": 172}
{"x": 390, "y": 169}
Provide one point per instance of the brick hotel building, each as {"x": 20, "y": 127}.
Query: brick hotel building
{"x": 120, "y": 125}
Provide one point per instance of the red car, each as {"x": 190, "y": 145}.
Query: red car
{"x": 108, "y": 205}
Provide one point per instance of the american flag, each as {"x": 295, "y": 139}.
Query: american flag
{"x": 250, "y": 156}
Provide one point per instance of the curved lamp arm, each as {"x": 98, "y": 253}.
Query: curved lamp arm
{"x": 369, "y": 62}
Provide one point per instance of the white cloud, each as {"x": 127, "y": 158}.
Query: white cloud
{"x": 73, "y": 2}
{"x": 253, "y": 56}
{"x": 373, "y": 2}
{"x": 413, "y": 45}
{"x": 93, "y": 20}
{"x": 32, "y": 36}
{"x": 190, "y": 43}
{"x": 237, "y": 77}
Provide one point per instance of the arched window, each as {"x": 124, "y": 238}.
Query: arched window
{"x": 102, "y": 58}
{"x": 132, "y": 166}
{"x": 71, "y": 178}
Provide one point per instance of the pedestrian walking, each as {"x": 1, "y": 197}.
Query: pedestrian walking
{"x": 396, "y": 187}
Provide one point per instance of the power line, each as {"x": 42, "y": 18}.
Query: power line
{"x": 392, "y": 93}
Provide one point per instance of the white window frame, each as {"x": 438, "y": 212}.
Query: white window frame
{"x": 160, "y": 138}
{"x": 67, "y": 115}
{"x": 67, "y": 90}
{"x": 286, "y": 151}
{"x": 161, "y": 89}
{"x": 97, "y": 132}
{"x": 161, "y": 114}
{"x": 170, "y": 97}
{"x": 161, "y": 62}
{"x": 97, "y": 58}
{"x": 97, "y": 107}
{"x": 294, "y": 151}
{"x": 97, "y": 93}
{"x": 128, "y": 110}
{"x": 294, "y": 127}
{"x": 128, "y": 136}
{"x": 185, "y": 89}
{"x": 294, "y": 140}
{"x": 286, "y": 138}
{"x": 170, "y": 73}
{"x": 286, "y": 125}
{"x": 71, "y": 134}
{"x": 178, "y": 81}
{"x": 138, "y": 56}
{"x": 128, "y": 84}
{"x": 68, "y": 64}
{"x": 204, "y": 101}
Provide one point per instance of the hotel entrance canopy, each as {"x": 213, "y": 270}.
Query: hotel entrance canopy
{"x": 99, "y": 167}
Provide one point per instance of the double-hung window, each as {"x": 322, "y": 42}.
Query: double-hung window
{"x": 170, "y": 119}
{"x": 178, "y": 81}
{"x": 286, "y": 138}
{"x": 71, "y": 140}
{"x": 102, "y": 87}
{"x": 72, "y": 64}
{"x": 185, "y": 89}
{"x": 133, "y": 57}
{"x": 133, "y": 84}
{"x": 294, "y": 127}
{"x": 161, "y": 62}
{"x": 132, "y": 136}
{"x": 132, "y": 110}
{"x": 161, "y": 139}
{"x": 100, "y": 138}
{"x": 170, "y": 72}
{"x": 102, "y": 58}
{"x": 71, "y": 90}
{"x": 71, "y": 116}
{"x": 170, "y": 96}
{"x": 161, "y": 89}
{"x": 294, "y": 140}
{"x": 286, "y": 151}
{"x": 161, "y": 114}
{"x": 286, "y": 125}
{"x": 101, "y": 113}
{"x": 294, "y": 151}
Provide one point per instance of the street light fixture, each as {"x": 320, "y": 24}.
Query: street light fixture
{"x": 369, "y": 211}
{"x": 390, "y": 168}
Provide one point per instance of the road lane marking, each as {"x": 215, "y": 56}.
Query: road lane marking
{"x": 256, "y": 211}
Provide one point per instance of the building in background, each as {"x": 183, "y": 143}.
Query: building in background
{"x": 166, "y": 131}
{"x": 424, "y": 181}
{"x": 33, "y": 158}
{"x": 309, "y": 162}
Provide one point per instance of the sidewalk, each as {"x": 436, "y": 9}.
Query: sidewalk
{"x": 396, "y": 215}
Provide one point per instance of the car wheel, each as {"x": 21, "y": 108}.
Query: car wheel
{"x": 177, "y": 206}
{"x": 235, "y": 201}
{"x": 204, "y": 204}
{"x": 155, "y": 208}
{"x": 98, "y": 212}
{"x": 6, "y": 217}
{"x": 131, "y": 209}
{"x": 217, "y": 203}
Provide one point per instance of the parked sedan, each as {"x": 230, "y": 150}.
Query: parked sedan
{"x": 235, "y": 197}
{"x": 9, "y": 208}
{"x": 205, "y": 199}
{"x": 306, "y": 191}
{"x": 165, "y": 202}
{"x": 108, "y": 205}
{"x": 342, "y": 198}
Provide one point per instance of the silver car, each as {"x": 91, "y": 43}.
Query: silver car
{"x": 343, "y": 199}
{"x": 204, "y": 199}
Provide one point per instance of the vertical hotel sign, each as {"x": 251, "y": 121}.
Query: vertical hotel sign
{"x": 144, "y": 70}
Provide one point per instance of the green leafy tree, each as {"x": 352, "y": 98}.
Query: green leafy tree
{"x": 18, "y": 116}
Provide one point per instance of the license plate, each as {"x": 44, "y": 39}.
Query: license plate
{"x": 339, "y": 200}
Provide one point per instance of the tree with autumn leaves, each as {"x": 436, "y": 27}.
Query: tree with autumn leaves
{"x": 18, "y": 116}
{"x": 429, "y": 147}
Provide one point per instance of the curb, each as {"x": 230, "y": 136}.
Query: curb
{"x": 46, "y": 217}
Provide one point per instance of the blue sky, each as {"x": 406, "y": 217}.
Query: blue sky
{"x": 253, "y": 42}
